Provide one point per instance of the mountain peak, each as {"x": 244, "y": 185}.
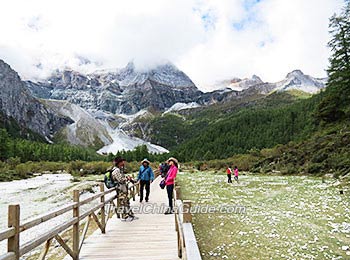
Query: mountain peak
{"x": 130, "y": 66}
{"x": 165, "y": 74}
{"x": 295, "y": 73}
{"x": 257, "y": 78}
{"x": 167, "y": 65}
{"x": 297, "y": 80}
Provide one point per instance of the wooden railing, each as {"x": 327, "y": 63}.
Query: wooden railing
{"x": 15, "y": 250}
{"x": 186, "y": 240}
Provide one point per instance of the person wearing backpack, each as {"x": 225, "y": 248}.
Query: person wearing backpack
{"x": 170, "y": 181}
{"x": 119, "y": 177}
{"x": 145, "y": 177}
{"x": 108, "y": 180}
{"x": 163, "y": 169}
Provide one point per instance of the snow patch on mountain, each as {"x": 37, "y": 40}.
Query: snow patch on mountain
{"x": 93, "y": 127}
{"x": 121, "y": 141}
{"x": 238, "y": 84}
{"x": 181, "y": 106}
{"x": 166, "y": 74}
{"x": 130, "y": 118}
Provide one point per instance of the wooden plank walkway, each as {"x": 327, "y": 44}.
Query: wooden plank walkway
{"x": 151, "y": 236}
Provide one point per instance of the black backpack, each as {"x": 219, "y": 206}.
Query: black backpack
{"x": 164, "y": 168}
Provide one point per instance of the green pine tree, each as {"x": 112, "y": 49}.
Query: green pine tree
{"x": 337, "y": 97}
{"x": 4, "y": 144}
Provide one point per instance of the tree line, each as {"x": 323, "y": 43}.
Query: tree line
{"x": 253, "y": 128}
{"x": 27, "y": 150}
{"x": 39, "y": 151}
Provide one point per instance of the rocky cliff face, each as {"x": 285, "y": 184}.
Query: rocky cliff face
{"x": 85, "y": 131}
{"x": 124, "y": 91}
{"x": 17, "y": 102}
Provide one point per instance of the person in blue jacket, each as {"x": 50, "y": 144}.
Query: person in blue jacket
{"x": 145, "y": 177}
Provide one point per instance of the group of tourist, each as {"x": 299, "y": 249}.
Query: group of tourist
{"x": 116, "y": 177}
{"x": 229, "y": 174}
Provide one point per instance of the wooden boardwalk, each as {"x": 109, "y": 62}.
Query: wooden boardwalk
{"x": 151, "y": 236}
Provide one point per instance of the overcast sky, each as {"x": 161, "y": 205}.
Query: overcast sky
{"x": 210, "y": 40}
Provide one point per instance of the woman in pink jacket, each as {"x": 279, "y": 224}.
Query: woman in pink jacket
{"x": 169, "y": 182}
{"x": 236, "y": 173}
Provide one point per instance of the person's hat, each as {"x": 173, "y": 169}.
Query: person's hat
{"x": 145, "y": 161}
{"x": 118, "y": 160}
{"x": 174, "y": 160}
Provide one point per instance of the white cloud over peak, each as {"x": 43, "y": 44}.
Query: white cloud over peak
{"x": 209, "y": 40}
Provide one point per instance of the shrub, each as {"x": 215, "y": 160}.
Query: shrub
{"x": 95, "y": 167}
{"x": 75, "y": 166}
{"x": 22, "y": 170}
{"x": 52, "y": 166}
{"x": 13, "y": 162}
{"x": 289, "y": 169}
{"x": 314, "y": 167}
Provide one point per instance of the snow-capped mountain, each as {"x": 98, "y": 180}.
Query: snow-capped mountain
{"x": 128, "y": 91}
{"x": 297, "y": 80}
{"x": 124, "y": 91}
{"x": 238, "y": 84}
{"x": 166, "y": 74}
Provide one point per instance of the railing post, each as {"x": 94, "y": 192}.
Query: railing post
{"x": 179, "y": 244}
{"x": 134, "y": 193}
{"x": 187, "y": 217}
{"x": 76, "y": 225}
{"x": 178, "y": 192}
{"x": 177, "y": 197}
{"x": 103, "y": 212}
{"x": 13, "y": 221}
{"x": 138, "y": 188}
{"x": 118, "y": 210}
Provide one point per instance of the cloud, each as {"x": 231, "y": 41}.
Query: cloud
{"x": 209, "y": 40}
{"x": 269, "y": 38}
{"x": 111, "y": 33}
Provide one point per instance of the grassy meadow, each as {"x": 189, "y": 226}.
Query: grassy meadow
{"x": 286, "y": 217}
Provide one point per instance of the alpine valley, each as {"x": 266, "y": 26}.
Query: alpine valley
{"x": 114, "y": 110}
